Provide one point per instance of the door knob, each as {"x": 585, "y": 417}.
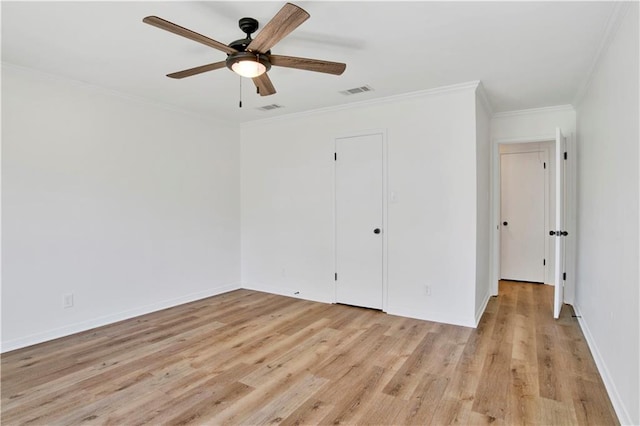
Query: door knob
{"x": 552, "y": 232}
{"x": 505, "y": 223}
{"x": 376, "y": 231}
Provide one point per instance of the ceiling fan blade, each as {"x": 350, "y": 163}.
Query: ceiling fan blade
{"x": 264, "y": 85}
{"x": 285, "y": 21}
{"x": 198, "y": 70}
{"x": 336, "y": 68}
{"x": 184, "y": 32}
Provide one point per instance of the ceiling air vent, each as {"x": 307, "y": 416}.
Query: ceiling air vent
{"x": 357, "y": 90}
{"x": 270, "y": 107}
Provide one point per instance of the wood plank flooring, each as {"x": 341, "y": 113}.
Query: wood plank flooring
{"x": 253, "y": 358}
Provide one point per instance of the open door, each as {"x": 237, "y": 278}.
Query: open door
{"x": 560, "y": 231}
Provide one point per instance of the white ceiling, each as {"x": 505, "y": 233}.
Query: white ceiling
{"x": 527, "y": 54}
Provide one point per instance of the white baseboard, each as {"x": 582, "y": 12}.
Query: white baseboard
{"x": 402, "y": 311}
{"x": 618, "y": 405}
{"x": 280, "y": 291}
{"x": 408, "y": 312}
{"x": 480, "y": 311}
{"x": 56, "y": 333}
{"x": 284, "y": 291}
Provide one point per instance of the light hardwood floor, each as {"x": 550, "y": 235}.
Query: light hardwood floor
{"x": 252, "y": 358}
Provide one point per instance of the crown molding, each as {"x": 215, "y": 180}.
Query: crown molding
{"x": 543, "y": 110}
{"x": 613, "y": 23}
{"x": 110, "y": 92}
{"x": 526, "y": 139}
{"x": 471, "y": 85}
{"x": 482, "y": 94}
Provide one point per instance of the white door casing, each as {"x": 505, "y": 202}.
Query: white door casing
{"x": 570, "y": 205}
{"x": 359, "y": 212}
{"x": 522, "y": 237}
{"x": 558, "y": 296}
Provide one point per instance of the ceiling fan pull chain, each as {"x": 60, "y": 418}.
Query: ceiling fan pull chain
{"x": 240, "y": 95}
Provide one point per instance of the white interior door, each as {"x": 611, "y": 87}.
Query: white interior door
{"x": 359, "y": 215}
{"x": 560, "y": 231}
{"x": 522, "y": 205}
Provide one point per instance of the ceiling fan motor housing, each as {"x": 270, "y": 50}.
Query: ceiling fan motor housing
{"x": 248, "y": 56}
{"x": 240, "y": 45}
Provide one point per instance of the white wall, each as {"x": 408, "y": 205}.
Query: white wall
{"x": 483, "y": 188}
{"x": 287, "y": 202}
{"x": 607, "y": 262}
{"x": 532, "y": 124}
{"x": 129, "y": 206}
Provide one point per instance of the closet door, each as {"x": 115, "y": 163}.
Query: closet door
{"x": 359, "y": 215}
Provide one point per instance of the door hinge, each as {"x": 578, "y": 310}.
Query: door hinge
{"x": 335, "y": 156}
{"x": 564, "y": 276}
{"x": 544, "y": 262}
{"x": 565, "y": 155}
{"x": 336, "y": 277}
{"x": 544, "y": 165}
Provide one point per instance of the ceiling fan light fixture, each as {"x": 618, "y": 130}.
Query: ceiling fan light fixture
{"x": 247, "y": 64}
{"x": 249, "y": 69}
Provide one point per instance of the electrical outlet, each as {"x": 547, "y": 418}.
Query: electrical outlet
{"x": 68, "y": 301}
{"x": 427, "y": 290}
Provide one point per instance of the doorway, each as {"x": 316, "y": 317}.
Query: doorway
{"x": 560, "y": 227}
{"x": 539, "y": 161}
{"x": 359, "y": 220}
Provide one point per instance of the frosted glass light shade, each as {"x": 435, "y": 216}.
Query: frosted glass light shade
{"x": 249, "y": 68}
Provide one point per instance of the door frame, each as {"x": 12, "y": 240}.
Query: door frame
{"x": 570, "y": 200}
{"x": 332, "y": 145}
{"x": 510, "y": 149}
{"x": 560, "y": 223}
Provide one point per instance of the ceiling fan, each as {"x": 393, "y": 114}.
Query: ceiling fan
{"x": 249, "y": 57}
